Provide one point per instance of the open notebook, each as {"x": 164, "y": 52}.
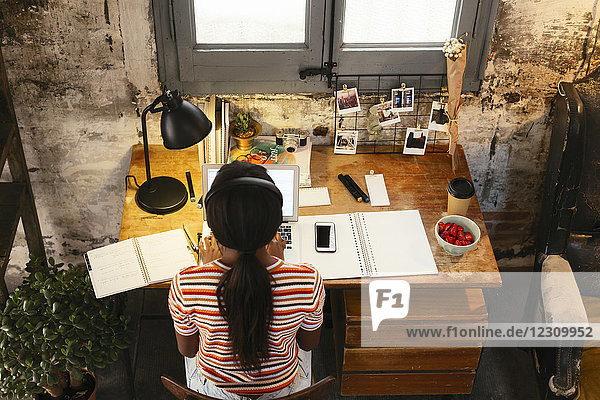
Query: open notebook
{"x": 138, "y": 262}
{"x": 369, "y": 244}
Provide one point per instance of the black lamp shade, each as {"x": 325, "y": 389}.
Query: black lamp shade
{"x": 184, "y": 126}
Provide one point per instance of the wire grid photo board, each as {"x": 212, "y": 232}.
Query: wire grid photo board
{"x": 372, "y": 90}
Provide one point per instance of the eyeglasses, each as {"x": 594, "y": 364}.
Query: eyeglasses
{"x": 256, "y": 156}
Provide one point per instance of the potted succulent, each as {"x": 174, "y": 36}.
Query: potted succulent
{"x": 243, "y": 130}
{"x": 54, "y": 333}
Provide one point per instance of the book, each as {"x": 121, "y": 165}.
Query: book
{"x": 369, "y": 244}
{"x": 137, "y": 262}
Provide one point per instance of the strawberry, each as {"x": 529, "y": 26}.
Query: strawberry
{"x": 450, "y": 239}
{"x": 460, "y": 228}
{"x": 469, "y": 237}
{"x": 453, "y": 230}
{"x": 441, "y": 227}
{"x": 460, "y": 235}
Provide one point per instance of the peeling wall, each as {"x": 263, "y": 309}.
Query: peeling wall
{"x": 81, "y": 70}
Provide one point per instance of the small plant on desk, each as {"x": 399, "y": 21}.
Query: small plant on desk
{"x": 54, "y": 333}
{"x": 243, "y": 130}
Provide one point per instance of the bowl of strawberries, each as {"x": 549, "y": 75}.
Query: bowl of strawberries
{"x": 457, "y": 234}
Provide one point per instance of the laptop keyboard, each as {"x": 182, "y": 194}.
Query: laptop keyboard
{"x": 285, "y": 231}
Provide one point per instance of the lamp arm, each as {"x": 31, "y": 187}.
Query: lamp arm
{"x": 150, "y": 108}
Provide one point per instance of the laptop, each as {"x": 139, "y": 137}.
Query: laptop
{"x": 287, "y": 180}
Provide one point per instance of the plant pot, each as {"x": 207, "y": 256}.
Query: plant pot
{"x": 245, "y": 143}
{"x": 88, "y": 391}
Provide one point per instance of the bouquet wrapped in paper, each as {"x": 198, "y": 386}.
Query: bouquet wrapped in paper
{"x": 455, "y": 51}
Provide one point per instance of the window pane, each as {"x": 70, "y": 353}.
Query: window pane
{"x": 394, "y": 21}
{"x": 249, "y": 22}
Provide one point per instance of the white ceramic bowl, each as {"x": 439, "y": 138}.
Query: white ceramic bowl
{"x": 466, "y": 223}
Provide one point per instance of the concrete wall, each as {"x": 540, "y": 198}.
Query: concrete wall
{"x": 81, "y": 70}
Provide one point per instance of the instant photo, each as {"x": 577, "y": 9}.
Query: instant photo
{"x": 345, "y": 142}
{"x": 438, "y": 119}
{"x": 402, "y": 99}
{"x": 385, "y": 114}
{"x": 416, "y": 141}
{"x": 347, "y": 101}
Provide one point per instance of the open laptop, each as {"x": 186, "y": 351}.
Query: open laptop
{"x": 287, "y": 180}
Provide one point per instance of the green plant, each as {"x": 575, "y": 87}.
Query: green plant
{"x": 53, "y": 329}
{"x": 242, "y": 123}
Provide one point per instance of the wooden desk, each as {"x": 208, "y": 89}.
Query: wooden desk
{"x": 413, "y": 182}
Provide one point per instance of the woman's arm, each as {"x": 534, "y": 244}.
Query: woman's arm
{"x": 187, "y": 345}
{"x": 308, "y": 340}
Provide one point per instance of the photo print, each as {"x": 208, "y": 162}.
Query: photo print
{"x": 347, "y": 101}
{"x": 438, "y": 119}
{"x": 416, "y": 141}
{"x": 345, "y": 142}
{"x": 402, "y": 99}
{"x": 385, "y": 114}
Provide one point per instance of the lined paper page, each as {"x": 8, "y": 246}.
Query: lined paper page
{"x": 165, "y": 254}
{"x": 115, "y": 268}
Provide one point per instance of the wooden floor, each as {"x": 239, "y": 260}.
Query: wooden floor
{"x": 503, "y": 373}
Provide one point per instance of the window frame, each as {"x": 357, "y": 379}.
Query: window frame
{"x": 206, "y": 69}
{"x": 175, "y": 41}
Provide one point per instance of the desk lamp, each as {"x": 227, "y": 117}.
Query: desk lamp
{"x": 182, "y": 125}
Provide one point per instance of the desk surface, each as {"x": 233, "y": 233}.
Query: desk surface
{"x": 413, "y": 182}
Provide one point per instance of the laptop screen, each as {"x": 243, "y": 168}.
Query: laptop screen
{"x": 286, "y": 180}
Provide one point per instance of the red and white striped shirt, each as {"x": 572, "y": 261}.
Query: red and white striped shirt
{"x": 298, "y": 297}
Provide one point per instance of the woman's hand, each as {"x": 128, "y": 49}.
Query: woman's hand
{"x": 276, "y": 246}
{"x": 209, "y": 249}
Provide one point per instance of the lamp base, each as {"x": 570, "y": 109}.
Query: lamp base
{"x": 161, "y": 195}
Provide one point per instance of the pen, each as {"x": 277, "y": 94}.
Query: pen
{"x": 190, "y": 186}
{"x": 187, "y": 234}
{"x": 350, "y": 188}
{"x": 358, "y": 189}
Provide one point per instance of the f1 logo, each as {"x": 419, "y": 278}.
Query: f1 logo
{"x": 388, "y": 299}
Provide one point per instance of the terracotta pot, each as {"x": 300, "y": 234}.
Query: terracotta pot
{"x": 246, "y": 143}
{"x": 89, "y": 394}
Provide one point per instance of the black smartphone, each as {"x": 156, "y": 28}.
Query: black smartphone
{"x": 325, "y": 237}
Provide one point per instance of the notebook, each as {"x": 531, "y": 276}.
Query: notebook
{"x": 369, "y": 244}
{"x": 138, "y": 262}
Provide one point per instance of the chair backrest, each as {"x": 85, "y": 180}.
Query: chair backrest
{"x": 316, "y": 391}
{"x": 563, "y": 171}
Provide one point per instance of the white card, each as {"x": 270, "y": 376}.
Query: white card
{"x": 377, "y": 190}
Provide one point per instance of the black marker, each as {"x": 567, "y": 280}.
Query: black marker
{"x": 350, "y": 188}
{"x": 358, "y": 189}
{"x": 190, "y": 186}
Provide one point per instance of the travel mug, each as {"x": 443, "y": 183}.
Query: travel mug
{"x": 460, "y": 191}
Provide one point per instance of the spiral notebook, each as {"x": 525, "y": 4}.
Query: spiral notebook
{"x": 386, "y": 243}
{"x": 138, "y": 262}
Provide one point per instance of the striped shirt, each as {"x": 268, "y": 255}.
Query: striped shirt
{"x": 298, "y": 297}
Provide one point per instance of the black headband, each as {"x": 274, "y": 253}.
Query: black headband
{"x": 243, "y": 181}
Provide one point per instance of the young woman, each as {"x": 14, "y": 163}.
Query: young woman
{"x": 248, "y": 318}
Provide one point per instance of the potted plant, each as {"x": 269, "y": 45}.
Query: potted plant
{"x": 54, "y": 333}
{"x": 243, "y": 130}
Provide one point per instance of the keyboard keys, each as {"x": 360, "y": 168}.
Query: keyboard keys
{"x": 285, "y": 231}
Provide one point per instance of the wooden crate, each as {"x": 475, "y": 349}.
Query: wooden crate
{"x": 372, "y": 363}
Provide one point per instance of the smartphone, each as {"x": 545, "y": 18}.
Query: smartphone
{"x": 325, "y": 237}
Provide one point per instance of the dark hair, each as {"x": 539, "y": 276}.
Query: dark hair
{"x": 245, "y": 217}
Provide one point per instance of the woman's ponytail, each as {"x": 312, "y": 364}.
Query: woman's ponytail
{"x": 246, "y": 302}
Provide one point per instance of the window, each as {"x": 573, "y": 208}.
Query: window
{"x": 236, "y": 46}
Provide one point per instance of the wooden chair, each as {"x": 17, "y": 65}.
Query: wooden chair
{"x": 316, "y": 391}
